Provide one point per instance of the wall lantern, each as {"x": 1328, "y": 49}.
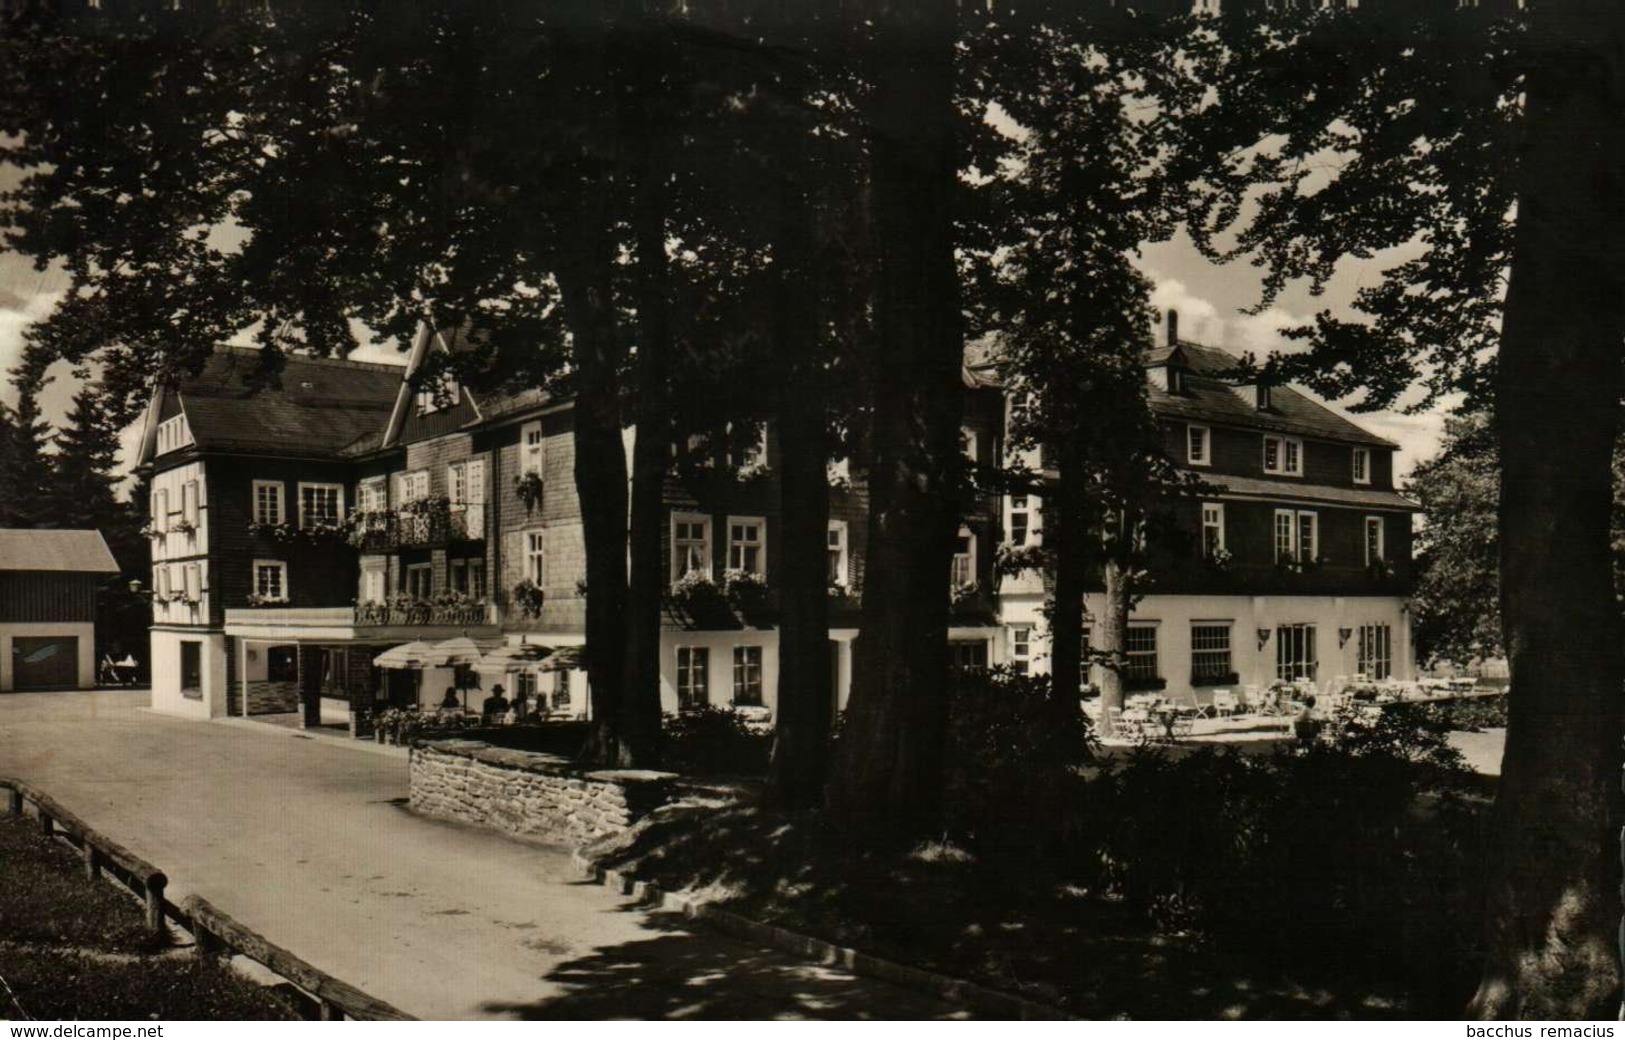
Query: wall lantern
{"x": 1343, "y": 636}
{"x": 1263, "y": 637}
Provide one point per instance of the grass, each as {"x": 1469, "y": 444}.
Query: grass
{"x": 74, "y": 948}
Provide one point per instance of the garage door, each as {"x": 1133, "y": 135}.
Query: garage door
{"x": 45, "y": 662}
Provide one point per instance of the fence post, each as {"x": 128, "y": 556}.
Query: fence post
{"x": 46, "y": 825}
{"x": 16, "y": 802}
{"x": 93, "y": 860}
{"x": 155, "y": 907}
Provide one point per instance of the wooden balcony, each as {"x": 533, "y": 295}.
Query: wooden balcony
{"x": 435, "y": 523}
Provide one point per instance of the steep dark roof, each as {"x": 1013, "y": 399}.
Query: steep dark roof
{"x": 83, "y": 552}
{"x": 1251, "y": 487}
{"x": 322, "y": 407}
{"x": 500, "y": 406}
{"x": 1211, "y": 399}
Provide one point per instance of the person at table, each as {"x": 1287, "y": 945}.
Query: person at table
{"x": 449, "y": 703}
{"x": 495, "y": 706}
{"x": 520, "y": 705}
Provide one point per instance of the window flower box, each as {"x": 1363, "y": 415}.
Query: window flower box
{"x": 529, "y": 598}
{"x": 1227, "y": 679}
{"x": 746, "y": 592}
{"x": 528, "y": 487}
{"x": 700, "y": 602}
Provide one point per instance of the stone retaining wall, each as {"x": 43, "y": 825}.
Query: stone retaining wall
{"x": 529, "y": 793}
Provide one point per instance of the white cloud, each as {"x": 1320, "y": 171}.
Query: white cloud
{"x": 14, "y": 321}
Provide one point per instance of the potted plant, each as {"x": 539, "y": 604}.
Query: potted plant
{"x": 746, "y": 592}
{"x": 528, "y": 486}
{"x": 698, "y": 600}
{"x": 529, "y": 597}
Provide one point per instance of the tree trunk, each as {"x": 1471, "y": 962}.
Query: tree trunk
{"x": 1111, "y": 630}
{"x": 1065, "y": 528}
{"x": 889, "y": 761}
{"x": 651, "y": 458}
{"x": 795, "y": 778}
{"x": 1553, "y": 910}
{"x": 600, "y": 473}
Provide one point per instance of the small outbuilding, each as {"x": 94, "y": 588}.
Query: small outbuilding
{"x": 48, "y": 585}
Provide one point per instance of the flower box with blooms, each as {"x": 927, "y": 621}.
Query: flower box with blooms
{"x": 529, "y": 598}
{"x": 1220, "y": 559}
{"x": 150, "y": 530}
{"x": 746, "y": 591}
{"x": 325, "y": 533}
{"x": 528, "y": 486}
{"x": 964, "y": 593}
{"x": 282, "y": 532}
{"x": 184, "y": 527}
{"x": 698, "y": 599}
{"x": 1380, "y": 568}
{"x": 256, "y": 599}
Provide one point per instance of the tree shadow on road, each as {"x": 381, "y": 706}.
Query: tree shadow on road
{"x": 702, "y": 975}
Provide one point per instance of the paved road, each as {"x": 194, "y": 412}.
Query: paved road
{"x": 309, "y": 843}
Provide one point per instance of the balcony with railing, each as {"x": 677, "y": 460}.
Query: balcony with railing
{"x": 421, "y": 524}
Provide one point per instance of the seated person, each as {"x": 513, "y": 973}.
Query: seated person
{"x": 495, "y": 705}
{"x": 521, "y": 705}
{"x": 450, "y": 702}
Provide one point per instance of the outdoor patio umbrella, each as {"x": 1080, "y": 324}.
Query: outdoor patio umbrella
{"x": 407, "y": 655}
{"x": 563, "y": 659}
{"x": 461, "y": 651}
{"x": 512, "y": 658}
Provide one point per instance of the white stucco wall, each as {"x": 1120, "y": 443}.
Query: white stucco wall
{"x": 166, "y": 673}
{"x": 84, "y": 631}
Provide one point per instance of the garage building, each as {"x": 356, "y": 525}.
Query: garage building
{"x": 48, "y": 583}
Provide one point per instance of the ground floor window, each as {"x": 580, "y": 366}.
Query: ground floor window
{"x": 1376, "y": 652}
{"x": 967, "y": 655}
{"x": 561, "y": 689}
{"x": 1021, "y": 649}
{"x": 418, "y": 580}
{"x": 192, "y": 668}
{"x": 1210, "y": 653}
{"x": 468, "y": 576}
{"x": 748, "y": 675}
{"x": 693, "y": 677}
{"x": 524, "y": 686}
{"x": 1295, "y": 652}
{"x": 271, "y": 580}
{"x": 1141, "y": 646}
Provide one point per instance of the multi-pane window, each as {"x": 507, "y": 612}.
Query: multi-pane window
{"x": 1373, "y": 540}
{"x": 418, "y": 579}
{"x": 443, "y": 392}
{"x": 1210, "y": 652}
{"x": 1140, "y": 644}
{"x": 693, "y": 677}
{"x": 1212, "y": 528}
{"x": 467, "y": 575}
{"x": 749, "y": 452}
{"x": 271, "y": 579}
{"x": 1362, "y": 465}
{"x": 745, "y": 541}
{"x": 1295, "y": 652}
{"x": 321, "y": 505}
{"x": 173, "y": 434}
{"x": 372, "y": 496}
{"x": 535, "y": 558}
{"x": 561, "y": 689}
{"x": 532, "y": 448}
{"x": 1198, "y": 445}
{"x": 1376, "y": 659}
{"x": 1020, "y": 519}
{"x": 1297, "y": 536}
{"x": 524, "y": 686}
{"x": 748, "y": 675}
{"x": 1283, "y": 455}
{"x": 837, "y": 553}
{"x": 967, "y": 655}
{"x": 267, "y": 502}
{"x": 690, "y": 545}
{"x": 964, "y": 565}
{"x": 1021, "y": 649}
{"x": 373, "y": 585}
{"x": 412, "y": 487}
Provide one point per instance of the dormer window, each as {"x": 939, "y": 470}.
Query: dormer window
{"x": 1176, "y": 379}
{"x": 1262, "y": 391}
{"x": 173, "y": 434}
{"x": 1362, "y": 465}
{"x": 1283, "y": 456}
{"x": 444, "y": 393}
{"x": 1198, "y": 445}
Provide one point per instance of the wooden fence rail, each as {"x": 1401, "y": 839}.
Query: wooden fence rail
{"x": 215, "y": 932}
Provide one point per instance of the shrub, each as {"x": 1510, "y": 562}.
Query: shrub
{"x": 716, "y": 741}
{"x": 1011, "y": 765}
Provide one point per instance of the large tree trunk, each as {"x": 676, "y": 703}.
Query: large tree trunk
{"x": 600, "y": 472}
{"x": 806, "y": 702}
{"x": 1554, "y": 909}
{"x": 1065, "y": 529}
{"x": 888, "y": 767}
{"x": 1111, "y": 630}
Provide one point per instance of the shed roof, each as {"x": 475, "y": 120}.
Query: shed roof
{"x": 41, "y": 549}
{"x": 1253, "y": 487}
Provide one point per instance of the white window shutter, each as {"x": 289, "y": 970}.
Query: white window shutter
{"x": 189, "y": 502}
{"x": 194, "y": 583}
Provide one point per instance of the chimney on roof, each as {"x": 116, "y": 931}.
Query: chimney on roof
{"x": 1173, "y": 327}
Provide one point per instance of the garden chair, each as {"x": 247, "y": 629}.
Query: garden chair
{"x": 1127, "y": 725}
{"x": 1197, "y": 709}
{"x": 1252, "y": 699}
{"x": 1224, "y": 703}
{"x": 1184, "y": 726}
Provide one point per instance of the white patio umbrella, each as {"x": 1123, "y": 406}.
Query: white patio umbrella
{"x": 408, "y": 655}
{"x": 512, "y": 658}
{"x": 460, "y": 651}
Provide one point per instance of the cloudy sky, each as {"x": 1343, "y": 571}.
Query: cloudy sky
{"x": 1211, "y": 301}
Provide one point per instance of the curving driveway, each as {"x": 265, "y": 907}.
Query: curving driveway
{"x": 308, "y": 841}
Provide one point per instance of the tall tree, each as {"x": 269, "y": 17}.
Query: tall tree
{"x": 24, "y": 465}
{"x": 1492, "y": 151}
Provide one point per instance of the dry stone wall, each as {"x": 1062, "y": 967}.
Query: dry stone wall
{"x": 530, "y": 794}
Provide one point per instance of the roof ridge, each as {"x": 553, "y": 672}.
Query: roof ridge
{"x": 312, "y": 359}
